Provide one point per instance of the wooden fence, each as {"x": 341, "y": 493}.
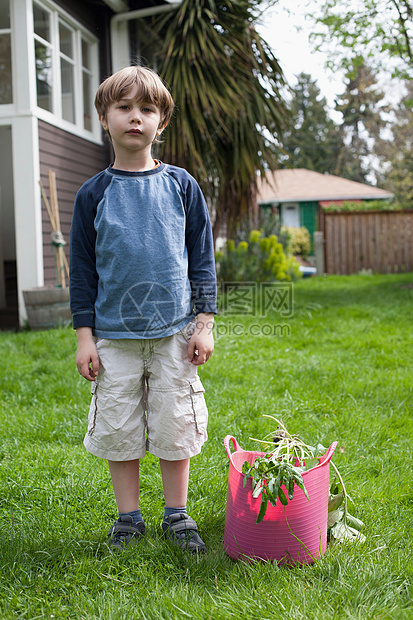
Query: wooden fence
{"x": 378, "y": 240}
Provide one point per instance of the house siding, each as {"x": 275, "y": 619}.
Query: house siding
{"x": 74, "y": 160}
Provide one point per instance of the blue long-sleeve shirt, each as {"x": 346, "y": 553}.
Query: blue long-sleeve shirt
{"x": 141, "y": 253}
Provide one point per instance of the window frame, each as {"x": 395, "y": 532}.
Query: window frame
{"x": 79, "y": 33}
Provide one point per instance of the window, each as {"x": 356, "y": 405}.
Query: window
{"x": 66, "y": 65}
{"x": 290, "y": 215}
{"x": 43, "y": 50}
{"x": 6, "y": 90}
{"x": 87, "y": 81}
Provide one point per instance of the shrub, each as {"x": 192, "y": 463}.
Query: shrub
{"x": 293, "y": 269}
{"x": 299, "y": 243}
{"x": 260, "y": 259}
{"x": 364, "y": 205}
{"x": 269, "y": 224}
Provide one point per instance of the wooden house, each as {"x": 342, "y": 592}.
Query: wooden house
{"x": 299, "y": 195}
{"x": 53, "y": 55}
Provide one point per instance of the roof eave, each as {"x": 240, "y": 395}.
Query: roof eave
{"x": 280, "y": 199}
{"x": 117, "y": 6}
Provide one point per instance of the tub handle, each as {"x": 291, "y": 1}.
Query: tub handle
{"x": 329, "y": 453}
{"x": 227, "y": 439}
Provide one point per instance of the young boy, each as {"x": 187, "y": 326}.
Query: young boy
{"x": 143, "y": 299}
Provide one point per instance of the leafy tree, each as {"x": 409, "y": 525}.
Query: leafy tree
{"x": 397, "y": 152}
{"x": 312, "y": 140}
{"x": 377, "y": 29}
{"x": 361, "y": 107}
{"x": 226, "y": 82}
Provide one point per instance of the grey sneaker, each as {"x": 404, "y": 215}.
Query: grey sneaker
{"x": 125, "y": 532}
{"x": 183, "y": 532}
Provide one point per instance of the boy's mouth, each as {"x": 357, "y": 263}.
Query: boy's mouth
{"x": 137, "y": 131}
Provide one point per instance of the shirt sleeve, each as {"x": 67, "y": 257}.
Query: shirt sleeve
{"x": 83, "y": 274}
{"x": 200, "y": 246}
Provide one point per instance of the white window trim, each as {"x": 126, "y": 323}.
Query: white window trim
{"x": 55, "y": 118}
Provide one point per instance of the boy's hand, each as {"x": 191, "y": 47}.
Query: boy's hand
{"x": 201, "y": 344}
{"x": 87, "y": 358}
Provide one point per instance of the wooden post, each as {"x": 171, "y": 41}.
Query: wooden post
{"x": 60, "y": 262}
{"x": 319, "y": 252}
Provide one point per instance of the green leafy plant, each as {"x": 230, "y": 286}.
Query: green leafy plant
{"x": 341, "y": 525}
{"x": 269, "y": 223}
{"x": 260, "y": 259}
{"x": 269, "y": 475}
{"x": 283, "y": 465}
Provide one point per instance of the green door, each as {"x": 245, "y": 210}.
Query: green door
{"x": 308, "y": 217}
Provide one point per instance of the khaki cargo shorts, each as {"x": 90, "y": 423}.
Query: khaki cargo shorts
{"x": 147, "y": 397}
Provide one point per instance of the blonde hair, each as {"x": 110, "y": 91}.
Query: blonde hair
{"x": 150, "y": 89}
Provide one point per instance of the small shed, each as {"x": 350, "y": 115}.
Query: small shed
{"x": 299, "y": 194}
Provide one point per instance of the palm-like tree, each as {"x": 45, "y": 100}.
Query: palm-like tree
{"x": 226, "y": 83}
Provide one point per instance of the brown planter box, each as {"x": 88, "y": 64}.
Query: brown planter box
{"x": 47, "y": 307}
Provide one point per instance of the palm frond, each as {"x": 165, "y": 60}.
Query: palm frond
{"x": 226, "y": 82}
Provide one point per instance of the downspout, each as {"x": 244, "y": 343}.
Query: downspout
{"x": 119, "y": 33}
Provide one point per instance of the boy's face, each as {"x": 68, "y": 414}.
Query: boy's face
{"x": 132, "y": 124}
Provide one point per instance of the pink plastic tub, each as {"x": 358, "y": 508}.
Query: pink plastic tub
{"x": 292, "y": 534}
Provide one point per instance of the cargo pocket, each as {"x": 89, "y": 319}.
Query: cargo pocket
{"x": 199, "y": 406}
{"x": 93, "y": 410}
{"x": 188, "y": 330}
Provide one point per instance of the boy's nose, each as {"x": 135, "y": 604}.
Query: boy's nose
{"x": 135, "y": 117}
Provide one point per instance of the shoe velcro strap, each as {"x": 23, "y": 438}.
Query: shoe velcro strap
{"x": 127, "y": 528}
{"x": 182, "y": 523}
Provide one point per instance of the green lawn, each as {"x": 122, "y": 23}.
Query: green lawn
{"x": 343, "y": 373}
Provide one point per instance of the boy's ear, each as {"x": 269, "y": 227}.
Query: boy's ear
{"x": 161, "y": 128}
{"x": 103, "y": 122}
